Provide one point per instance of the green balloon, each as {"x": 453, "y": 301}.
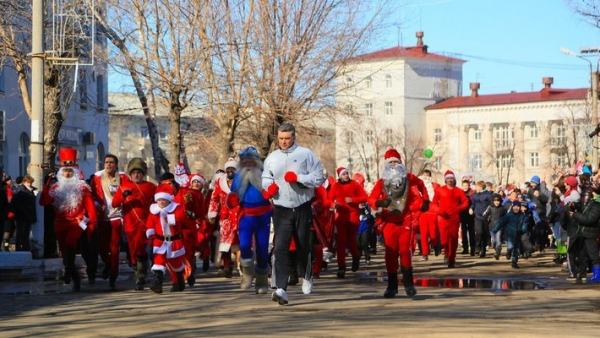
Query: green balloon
{"x": 428, "y": 152}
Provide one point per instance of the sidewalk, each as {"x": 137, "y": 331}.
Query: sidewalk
{"x": 352, "y": 307}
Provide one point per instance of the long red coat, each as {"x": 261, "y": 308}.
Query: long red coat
{"x": 228, "y": 218}
{"x": 414, "y": 200}
{"x": 135, "y": 207}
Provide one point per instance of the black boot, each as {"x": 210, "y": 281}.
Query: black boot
{"x": 178, "y": 285}
{"x": 205, "y": 265}
{"x": 355, "y": 263}
{"x": 141, "y": 272}
{"x": 392, "y": 289}
{"x": 192, "y": 278}
{"x": 498, "y": 252}
{"x": 112, "y": 283}
{"x": 76, "y": 280}
{"x": 341, "y": 272}
{"x": 409, "y": 283}
{"x": 156, "y": 286}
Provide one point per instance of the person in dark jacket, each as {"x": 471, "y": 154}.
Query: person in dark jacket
{"x": 583, "y": 231}
{"x": 480, "y": 201}
{"x": 539, "y": 195}
{"x": 513, "y": 224}
{"x": 467, "y": 222}
{"x": 23, "y": 205}
{"x": 493, "y": 214}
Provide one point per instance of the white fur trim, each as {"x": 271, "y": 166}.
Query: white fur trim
{"x": 159, "y": 268}
{"x": 150, "y": 232}
{"x": 449, "y": 176}
{"x": 171, "y": 219}
{"x": 389, "y": 160}
{"x": 223, "y": 184}
{"x": 163, "y": 195}
{"x": 198, "y": 178}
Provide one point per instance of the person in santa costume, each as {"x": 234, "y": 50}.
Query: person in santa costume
{"x": 428, "y": 219}
{"x": 345, "y": 196}
{"x": 450, "y": 201}
{"x": 135, "y": 198}
{"x": 181, "y": 175}
{"x": 254, "y": 219}
{"x": 164, "y": 228}
{"x": 204, "y": 228}
{"x": 323, "y": 226}
{"x": 105, "y": 184}
{"x": 75, "y": 215}
{"x": 228, "y": 218}
{"x": 192, "y": 202}
{"x": 394, "y": 194}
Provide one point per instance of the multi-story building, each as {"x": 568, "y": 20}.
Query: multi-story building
{"x": 383, "y": 95}
{"x": 407, "y": 98}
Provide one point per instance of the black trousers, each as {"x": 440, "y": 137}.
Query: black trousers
{"x": 482, "y": 231}
{"x": 467, "y": 226}
{"x": 89, "y": 253}
{"x": 363, "y": 245}
{"x": 288, "y": 223}
{"x": 23, "y": 231}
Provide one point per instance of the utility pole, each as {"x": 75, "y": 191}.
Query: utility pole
{"x": 36, "y": 148}
{"x": 594, "y": 79}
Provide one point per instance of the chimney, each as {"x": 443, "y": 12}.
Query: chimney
{"x": 419, "y": 36}
{"x": 548, "y": 81}
{"x": 474, "y": 86}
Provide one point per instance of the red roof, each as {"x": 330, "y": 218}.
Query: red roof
{"x": 546, "y": 94}
{"x": 419, "y": 52}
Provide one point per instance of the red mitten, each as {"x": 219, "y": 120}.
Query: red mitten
{"x": 232, "y": 200}
{"x": 290, "y": 177}
{"x": 270, "y": 191}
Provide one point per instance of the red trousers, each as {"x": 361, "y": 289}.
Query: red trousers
{"x": 398, "y": 239}
{"x": 449, "y": 235}
{"x": 428, "y": 231}
{"x": 346, "y": 237}
{"x": 109, "y": 243}
{"x": 202, "y": 244}
{"x": 68, "y": 239}
{"x": 318, "y": 250}
{"x": 189, "y": 243}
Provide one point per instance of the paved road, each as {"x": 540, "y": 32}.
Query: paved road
{"x": 353, "y": 307}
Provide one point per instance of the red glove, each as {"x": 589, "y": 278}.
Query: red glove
{"x": 270, "y": 191}
{"x": 232, "y": 200}
{"x": 290, "y": 177}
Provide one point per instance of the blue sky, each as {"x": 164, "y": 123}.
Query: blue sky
{"x": 509, "y": 44}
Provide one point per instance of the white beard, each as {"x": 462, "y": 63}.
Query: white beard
{"x": 68, "y": 193}
{"x": 251, "y": 176}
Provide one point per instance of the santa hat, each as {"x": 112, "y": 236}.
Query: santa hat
{"x": 572, "y": 181}
{"x": 392, "y": 155}
{"x": 340, "y": 171}
{"x": 68, "y": 157}
{"x": 449, "y": 174}
{"x": 231, "y": 163}
{"x": 359, "y": 178}
{"x": 164, "y": 191}
{"x": 198, "y": 177}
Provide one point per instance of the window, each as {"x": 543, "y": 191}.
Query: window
{"x": 369, "y": 109}
{"x": 100, "y": 92}
{"x": 2, "y": 126}
{"x": 437, "y": 135}
{"x": 83, "y": 97}
{"x": 437, "y": 162}
{"x": 369, "y": 136}
{"x": 349, "y": 109}
{"x": 388, "y": 108}
{"x": 368, "y": 82}
{"x": 534, "y": 159}
{"x": 349, "y": 138}
{"x": 504, "y": 136}
{"x": 504, "y": 161}
{"x": 388, "y": 81}
{"x": 533, "y": 132}
{"x": 389, "y": 136}
{"x": 144, "y": 132}
{"x": 23, "y": 153}
{"x": 477, "y": 162}
{"x": 561, "y": 159}
{"x": 560, "y": 136}
{"x": 2, "y": 89}
{"x": 477, "y": 135}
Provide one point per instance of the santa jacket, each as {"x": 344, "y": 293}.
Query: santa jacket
{"x": 413, "y": 199}
{"x": 450, "y": 201}
{"x": 98, "y": 193}
{"x": 347, "y": 212}
{"x": 65, "y": 220}
{"x": 136, "y": 207}
{"x": 164, "y": 224}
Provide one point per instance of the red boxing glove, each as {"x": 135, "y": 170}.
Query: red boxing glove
{"x": 232, "y": 200}
{"x": 290, "y": 177}
{"x": 270, "y": 191}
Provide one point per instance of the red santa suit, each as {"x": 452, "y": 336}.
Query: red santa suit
{"x": 229, "y": 239}
{"x": 110, "y": 221}
{"x": 450, "y": 202}
{"x": 324, "y": 220}
{"x": 347, "y": 216}
{"x": 203, "y": 227}
{"x": 192, "y": 202}
{"x": 164, "y": 227}
{"x": 135, "y": 209}
{"x": 428, "y": 220}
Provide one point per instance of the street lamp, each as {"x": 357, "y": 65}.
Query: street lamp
{"x": 593, "y": 90}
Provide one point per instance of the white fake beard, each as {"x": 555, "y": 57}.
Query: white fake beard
{"x": 251, "y": 176}
{"x": 67, "y": 194}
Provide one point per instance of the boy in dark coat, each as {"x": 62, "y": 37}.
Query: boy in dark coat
{"x": 513, "y": 224}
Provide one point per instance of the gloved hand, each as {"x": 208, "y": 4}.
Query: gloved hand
{"x": 290, "y": 177}
{"x": 383, "y": 203}
{"x": 270, "y": 191}
{"x": 425, "y": 206}
{"x": 232, "y": 200}
{"x": 127, "y": 193}
{"x": 190, "y": 214}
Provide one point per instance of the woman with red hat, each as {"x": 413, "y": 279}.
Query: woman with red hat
{"x": 394, "y": 194}
{"x": 345, "y": 196}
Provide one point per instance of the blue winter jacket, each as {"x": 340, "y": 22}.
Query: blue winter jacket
{"x": 480, "y": 202}
{"x": 512, "y": 225}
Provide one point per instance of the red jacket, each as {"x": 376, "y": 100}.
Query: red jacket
{"x": 136, "y": 206}
{"x": 65, "y": 220}
{"x": 347, "y": 212}
{"x": 450, "y": 202}
{"x": 98, "y": 193}
{"x": 414, "y": 198}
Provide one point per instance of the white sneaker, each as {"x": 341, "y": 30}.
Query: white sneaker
{"x": 279, "y": 296}
{"x": 307, "y": 285}
{"x": 327, "y": 256}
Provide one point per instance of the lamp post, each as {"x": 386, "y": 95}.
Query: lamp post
{"x": 593, "y": 91}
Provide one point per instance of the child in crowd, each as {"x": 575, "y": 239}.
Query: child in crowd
{"x": 513, "y": 225}
{"x": 493, "y": 214}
